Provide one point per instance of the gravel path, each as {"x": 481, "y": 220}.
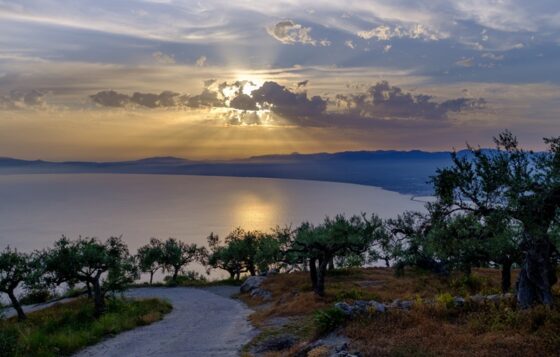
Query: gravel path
{"x": 203, "y": 323}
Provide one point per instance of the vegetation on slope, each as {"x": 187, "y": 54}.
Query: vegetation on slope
{"x": 68, "y": 327}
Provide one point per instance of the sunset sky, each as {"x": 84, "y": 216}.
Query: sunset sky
{"x": 114, "y": 79}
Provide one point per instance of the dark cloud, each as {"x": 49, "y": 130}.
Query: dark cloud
{"x": 288, "y": 104}
{"x": 378, "y": 105}
{"x": 385, "y": 101}
{"x": 243, "y": 102}
{"x": 302, "y": 84}
{"x": 206, "y": 99}
{"x": 17, "y": 99}
{"x": 111, "y": 98}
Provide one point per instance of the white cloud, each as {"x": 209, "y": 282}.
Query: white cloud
{"x": 386, "y": 33}
{"x": 163, "y": 58}
{"x": 289, "y": 33}
{"x": 349, "y": 44}
{"x": 201, "y": 61}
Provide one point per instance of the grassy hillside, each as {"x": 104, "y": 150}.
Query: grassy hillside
{"x": 434, "y": 326}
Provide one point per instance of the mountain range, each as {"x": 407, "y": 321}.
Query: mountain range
{"x": 402, "y": 171}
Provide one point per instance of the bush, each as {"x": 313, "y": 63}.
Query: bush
{"x": 328, "y": 319}
{"x": 8, "y": 341}
{"x": 444, "y": 300}
{"x": 37, "y": 296}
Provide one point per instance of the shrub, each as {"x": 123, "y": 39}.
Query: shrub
{"x": 36, "y": 296}
{"x": 328, "y": 319}
{"x": 444, "y": 300}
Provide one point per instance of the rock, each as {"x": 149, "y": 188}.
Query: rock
{"x": 276, "y": 343}
{"x": 406, "y": 304}
{"x": 360, "y": 307}
{"x": 379, "y": 307}
{"x": 493, "y": 298}
{"x": 401, "y": 304}
{"x": 458, "y": 301}
{"x": 478, "y": 299}
{"x": 345, "y": 308}
{"x": 251, "y": 283}
{"x": 261, "y": 293}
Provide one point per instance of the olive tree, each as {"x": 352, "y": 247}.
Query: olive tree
{"x": 106, "y": 266}
{"x": 16, "y": 270}
{"x": 521, "y": 185}
{"x": 336, "y": 237}
{"x": 176, "y": 254}
{"x": 150, "y": 257}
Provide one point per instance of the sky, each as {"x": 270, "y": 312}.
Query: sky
{"x": 112, "y": 79}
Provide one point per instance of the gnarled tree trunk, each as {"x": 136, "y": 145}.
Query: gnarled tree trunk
{"x": 506, "y": 276}
{"x": 98, "y": 298}
{"x": 537, "y": 274}
{"x": 313, "y": 272}
{"x": 16, "y": 305}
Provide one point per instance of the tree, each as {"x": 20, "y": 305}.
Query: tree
{"x": 176, "y": 254}
{"x": 409, "y": 242}
{"x": 107, "y": 267}
{"x": 16, "y": 270}
{"x": 150, "y": 257}
{"x": 244, "y": 252}
{"x": 335, "y": 237}
{"x": 521, "y": 185}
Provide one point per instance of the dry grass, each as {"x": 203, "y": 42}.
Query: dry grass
{"x": 426, "y": 330}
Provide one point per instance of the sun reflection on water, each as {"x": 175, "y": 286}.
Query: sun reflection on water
{"x": 252, "y": 211}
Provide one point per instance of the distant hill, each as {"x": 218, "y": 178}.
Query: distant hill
{"x": 401, "y": 171}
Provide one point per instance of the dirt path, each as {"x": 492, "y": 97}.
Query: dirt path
{"x": 202, "y": 323}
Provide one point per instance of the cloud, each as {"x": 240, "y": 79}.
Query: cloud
{"x": 244, "y": 103}
{"x": 386, "y": 33}
{"x": 385, "y": 101}
{"x": 465, "y": 62}
{"x": 288, "y": 104}
{"x": 201, "y": 61}
{"x": 349, "y": 44}
{"x": 111, "y": 98}
{"x": 289, "y": 33}
{"x": 163, "y": 58}
{"x": 16, "y": 99}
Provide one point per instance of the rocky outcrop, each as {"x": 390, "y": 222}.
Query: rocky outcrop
{"x": 253, "y": 286}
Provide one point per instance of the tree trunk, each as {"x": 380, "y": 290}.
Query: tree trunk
{"x": 321, "y": 272}
{"x": 506, "y": 276}
{"x": 537, "y": 273}
{"x": 252, "y": 270}
{"x": 231, "y": 274}
{"x": 89, "y": 293}
{"x": 17, "y": 306}
{"x": 175, "y": 273}
{"x": 151, "y": 277}
{"x": 313, "y": 273}
{"x": 98, "y": 299}
{"x": 331, "y": 264}
{"x": 387, "y": 264}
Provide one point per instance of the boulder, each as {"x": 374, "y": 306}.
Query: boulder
{"x": 251, "y": 283}
{"x": 458, "y": 301}
{"x": 345, "y": 308}
{"x": 261, "y": 293}
{"x": 377, "y": 306}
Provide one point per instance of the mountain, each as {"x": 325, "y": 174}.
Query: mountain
{"x": 402, "y": 171}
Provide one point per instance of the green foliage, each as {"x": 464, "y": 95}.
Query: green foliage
{"x": 444, "y": 300}
{"x": 245, "y": 252}
{"x": 37, "y": 296}
{"x": 150, "y": 257}
{"x": 66, "y": 328}
{"x": 329, "y": 319}
{"x": 176, "y": 254}
{"x": 107, "y": 267}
